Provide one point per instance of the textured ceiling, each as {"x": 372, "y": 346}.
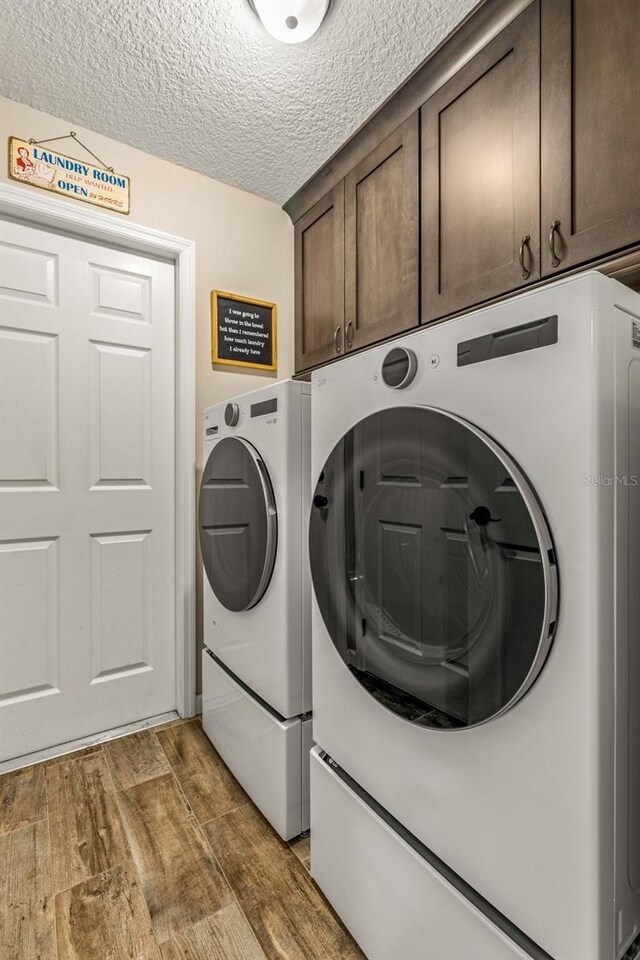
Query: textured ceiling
{"x": 200, "y": 83}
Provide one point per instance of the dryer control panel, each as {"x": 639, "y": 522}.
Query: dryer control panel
{"x": 226, "y": 419}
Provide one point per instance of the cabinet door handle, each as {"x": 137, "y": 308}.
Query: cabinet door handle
{"x": 336, "y": 338}
{"x": 349, "y": 333}
{"x": 526, "y": 273}
{"x": 555, "y": 259}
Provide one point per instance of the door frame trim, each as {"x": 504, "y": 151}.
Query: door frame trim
{"x": 56, "y": 214}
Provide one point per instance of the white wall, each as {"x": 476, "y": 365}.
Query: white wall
{"x": 244, "y": 244}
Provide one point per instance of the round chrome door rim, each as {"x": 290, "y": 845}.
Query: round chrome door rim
{"x": 549, "y": 570}
{"x": 272, "y": 528}
{"x": 545, "y": 543}
{"x": 272, "y": 524}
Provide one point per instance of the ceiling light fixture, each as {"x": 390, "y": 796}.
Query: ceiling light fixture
{"x": 291, "y": 21}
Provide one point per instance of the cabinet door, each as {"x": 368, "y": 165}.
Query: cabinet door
{"x": 381, "y": 240}
{"x": 480, "y": 174}
{"x": 319, "y": 280}
{"x": 590, "y": 129}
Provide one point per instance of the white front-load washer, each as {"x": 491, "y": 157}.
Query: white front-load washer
{"x": 475, "y": 555}
{"x": 253, "y": 516}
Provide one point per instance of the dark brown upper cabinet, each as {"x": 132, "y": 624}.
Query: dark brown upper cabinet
{"x": 481, "y": 174}
{"x": 382, "y": 273}
{"x": 590, "y": 129}
{"x": 525, "y": 164}
{"x": 319, "y": 281}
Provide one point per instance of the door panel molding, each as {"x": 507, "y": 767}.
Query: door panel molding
{"x": 30, "y": 667}
{"x": 50, "y": 213}
{"x": 30, "y": 458}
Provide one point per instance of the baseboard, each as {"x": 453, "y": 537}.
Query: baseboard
{"x": 72, "y": 745}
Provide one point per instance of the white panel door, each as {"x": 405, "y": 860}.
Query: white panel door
{"x": 87, "y": 635}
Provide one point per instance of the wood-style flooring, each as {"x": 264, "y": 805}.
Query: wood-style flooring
{"x": 146, "y": 848}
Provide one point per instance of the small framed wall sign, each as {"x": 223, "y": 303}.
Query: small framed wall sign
{"x": 37, "y": 165}
{"x": 243, "y": 331}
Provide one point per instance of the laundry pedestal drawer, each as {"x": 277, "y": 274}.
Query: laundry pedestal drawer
{"x": 393, "y": 902}
{"x": 269, "y": 756}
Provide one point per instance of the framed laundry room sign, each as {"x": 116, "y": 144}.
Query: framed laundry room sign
{"x": 243, "y": 331}
{"x": 37, "y": 165}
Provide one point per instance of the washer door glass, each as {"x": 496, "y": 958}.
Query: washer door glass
{"x": 433, "y": 567}
{"x": 238, "y": 524}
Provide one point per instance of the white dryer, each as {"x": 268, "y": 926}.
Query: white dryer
{"x": 475, "y": 555}
{"x": 253, "y": 516}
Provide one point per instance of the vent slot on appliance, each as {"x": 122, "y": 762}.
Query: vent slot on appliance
{"x": 211, "y": 431}
{"x": 504, "y": 343}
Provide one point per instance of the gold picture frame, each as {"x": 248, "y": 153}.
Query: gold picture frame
{"x": 249, "y": 301}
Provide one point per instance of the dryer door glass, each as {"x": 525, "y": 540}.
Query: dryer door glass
{"x": 238, "y": 524}
{"x": 433, "y": 567}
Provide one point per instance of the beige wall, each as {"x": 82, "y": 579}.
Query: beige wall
{"x": 243, "y": 244}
